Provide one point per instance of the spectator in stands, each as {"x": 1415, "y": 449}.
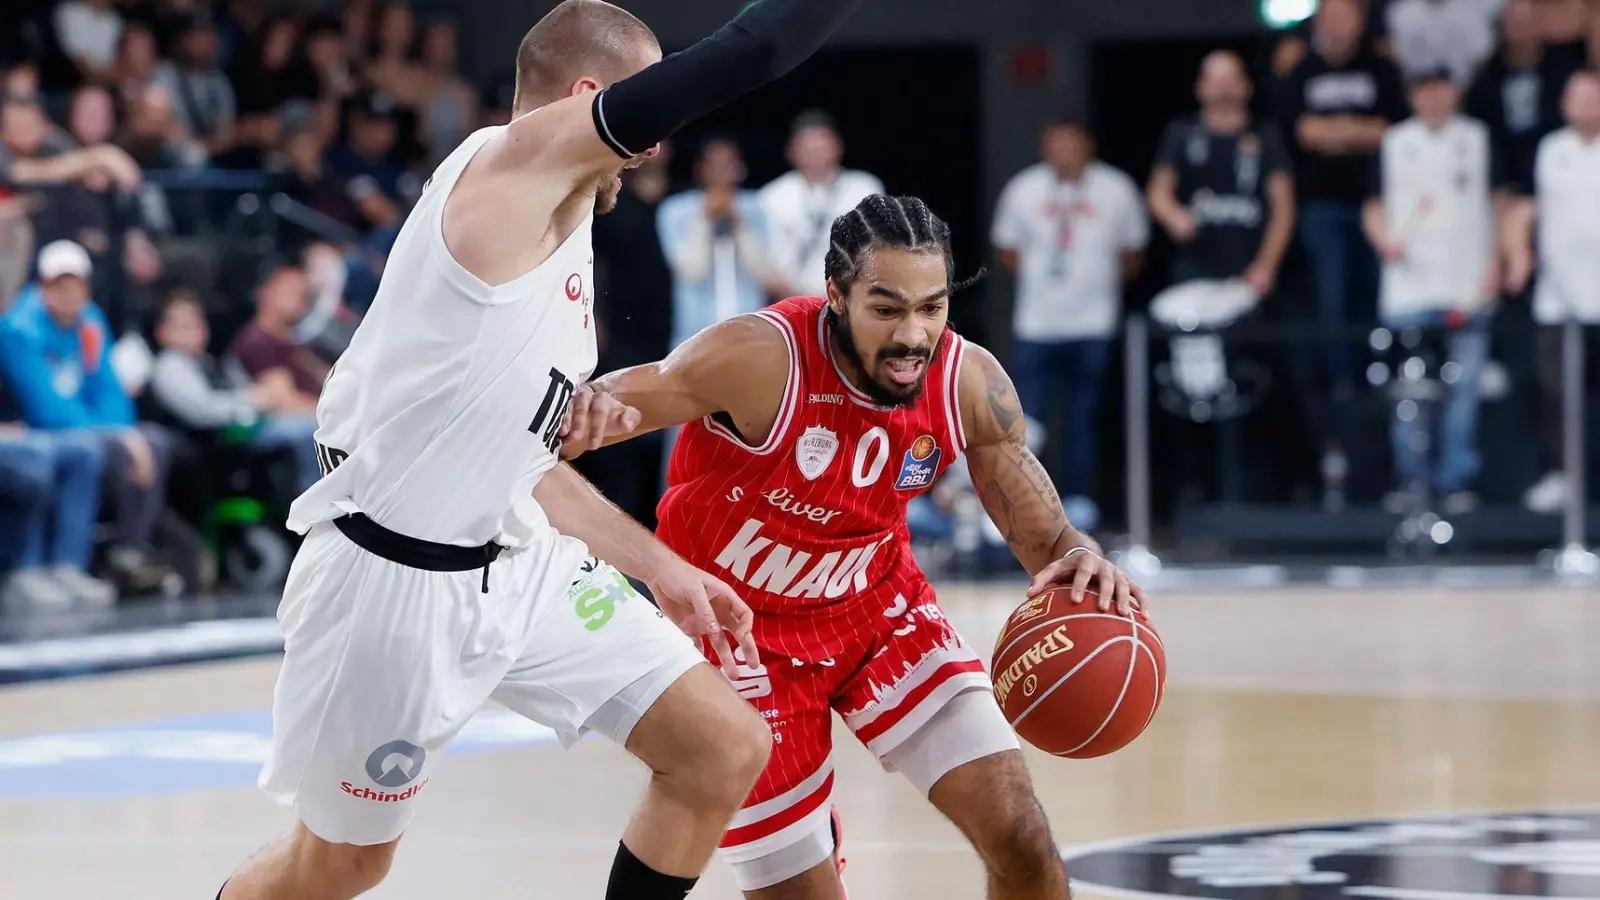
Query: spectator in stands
{"x": 1561, "y": 218}
{"x": 16, "y": 245}
{"x": 259, "y": 73}
{"x": 715, "y": 238}
{"x": 137, "y": 59}
{"x": 1516, "y": 94}
{"x": 1074, "y": 230}
{"x": 92, "y": 118}
{"x": 373, "y": 171}
{"x": 1296, "y": 42}
{"x": 266, "y": 345}
{"x": 154, "y": 137}
{"x": 1455, "y": 35}
{"x": 203, "y": 97}
{"x": 55, "y": 355}
{"x": 1222, "y": 186}
{"x": 88, "y": 32}
{"x": 310, "y": 182}
{"x": 801, "y": 205}
{"x": 1338, "y": 101}
{"x": 450, "y": 111}
{"x": 209, "y": 395}
{"x": 1223, "y": 191}
{"x": 50, "y": 488}
{"x": 326, "y": 72}
{"x": 1431, "y": 219}
{"x": 26, "y": 160}
{"x": 1571, "y": 30}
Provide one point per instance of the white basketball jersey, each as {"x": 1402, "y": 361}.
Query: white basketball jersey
{"x": 443, "y": 413}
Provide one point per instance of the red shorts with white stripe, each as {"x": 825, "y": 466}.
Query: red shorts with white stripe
{"x": 888, "y": 675}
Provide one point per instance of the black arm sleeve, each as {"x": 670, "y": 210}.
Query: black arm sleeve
{"x": 766, "y": 41}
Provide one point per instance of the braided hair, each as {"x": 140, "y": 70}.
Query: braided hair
{"x": 903, "y": 223}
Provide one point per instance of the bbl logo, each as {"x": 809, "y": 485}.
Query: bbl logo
{"x": 918, "y": 466}
{"x": 1462, "y": 857}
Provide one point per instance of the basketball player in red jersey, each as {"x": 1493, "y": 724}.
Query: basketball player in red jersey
{"x": 809, "y": 426}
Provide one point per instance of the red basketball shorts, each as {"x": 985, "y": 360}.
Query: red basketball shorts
{"x": 888, "y": 667}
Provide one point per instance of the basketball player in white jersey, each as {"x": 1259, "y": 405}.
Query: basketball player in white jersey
{"x": 449, "y": 556}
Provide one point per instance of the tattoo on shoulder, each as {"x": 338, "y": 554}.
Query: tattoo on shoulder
{"x": 1003, "y": 402}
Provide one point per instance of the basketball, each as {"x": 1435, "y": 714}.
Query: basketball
{"x": 1074, "y": 681}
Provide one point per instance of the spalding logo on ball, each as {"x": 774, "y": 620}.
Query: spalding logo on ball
{"x": 1074, "y": 681}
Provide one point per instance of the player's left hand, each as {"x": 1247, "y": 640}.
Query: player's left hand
{"x": 592, "y": 417}
{"x": 701, "y": 605}
{"x": 1081, "y": 567}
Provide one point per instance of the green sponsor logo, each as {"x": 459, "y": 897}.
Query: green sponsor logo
{"x": 596, "y": 603}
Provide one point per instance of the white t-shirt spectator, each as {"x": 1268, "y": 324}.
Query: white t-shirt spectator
{"x": 1435, "y": 188}
{"x": 1567, "y": 190}
{"x": 800, "y": 217}
{"x": 88, "y": 33}
{"x": 1452, "y": 34}
{"x": 1069, "y": 240}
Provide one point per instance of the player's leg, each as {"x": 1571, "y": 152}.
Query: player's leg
{"x": 602, "y": 659}
{"x": 985, "y": 792}
{"x": 372, "y": 687}
{"x": 925, "y": 708}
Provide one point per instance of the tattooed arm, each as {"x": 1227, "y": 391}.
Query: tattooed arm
{"x": 1018, "y": 495}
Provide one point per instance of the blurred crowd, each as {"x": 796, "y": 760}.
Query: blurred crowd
{"x": 1426, "y": 165}
{"x": 1430, "y": 164}
{"x": 146, "y": 415}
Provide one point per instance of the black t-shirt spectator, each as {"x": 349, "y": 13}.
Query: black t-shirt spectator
{"x": 1520, "y": 106}
{"x": 1364, "y": 85}
{"x": 1222, "y": 181}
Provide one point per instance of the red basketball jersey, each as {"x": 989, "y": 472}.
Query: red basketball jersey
{"x": 815, "y": 516}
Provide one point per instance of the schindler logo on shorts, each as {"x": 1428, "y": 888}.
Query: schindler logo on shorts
{"x": 393, "y": 765}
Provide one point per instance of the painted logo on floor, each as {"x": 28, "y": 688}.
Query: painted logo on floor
{"x": 192, "y": 753}
{"x": 1548, "y": 854}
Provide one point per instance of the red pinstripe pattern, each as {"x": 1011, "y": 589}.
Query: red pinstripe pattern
{"x": 842, "y": 611}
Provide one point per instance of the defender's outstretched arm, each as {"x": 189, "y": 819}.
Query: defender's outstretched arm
{"x": 588, "y": 133}
{"x": 1019, "y": 496}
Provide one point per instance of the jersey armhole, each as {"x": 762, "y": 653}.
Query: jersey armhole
{"x": 952, "y": 393}
{"x": 787, "y": 406}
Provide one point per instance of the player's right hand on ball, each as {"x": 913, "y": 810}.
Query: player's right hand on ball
{"x": 592, "y": 417}
{"x": 701, "y": 605}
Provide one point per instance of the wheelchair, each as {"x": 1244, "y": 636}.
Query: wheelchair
{"x": 240, "y": 502}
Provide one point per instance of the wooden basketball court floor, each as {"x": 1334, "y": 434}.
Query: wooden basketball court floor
{"x": 1406, "y": 743}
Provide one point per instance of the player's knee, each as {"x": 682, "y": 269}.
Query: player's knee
{"x": 728, "y": 757}
{"x": 1019, "y": 849}
{"x": 740, "y": 748}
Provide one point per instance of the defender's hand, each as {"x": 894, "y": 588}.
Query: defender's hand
{"x": 593, "y": 417}
{"x": 1079, "y": 568}
{"x": 702, "y": 606}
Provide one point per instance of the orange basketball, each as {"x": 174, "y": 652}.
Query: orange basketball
{"x": 1075, "y": 681}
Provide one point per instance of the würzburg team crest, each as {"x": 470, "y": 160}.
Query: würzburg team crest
{"x": 814, "y": 450}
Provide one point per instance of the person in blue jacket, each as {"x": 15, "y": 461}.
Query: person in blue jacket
{"x": 49, "y": 498}
{"x": 55, "y": 357}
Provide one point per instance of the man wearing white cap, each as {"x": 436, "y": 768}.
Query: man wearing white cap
{"x": 55, "y": 357}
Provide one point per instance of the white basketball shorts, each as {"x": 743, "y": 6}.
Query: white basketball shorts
{"x": 383, "y": 665}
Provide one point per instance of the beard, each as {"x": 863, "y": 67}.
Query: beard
{"x": 606, "y": 192}
{"x": 885, "y": 394}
